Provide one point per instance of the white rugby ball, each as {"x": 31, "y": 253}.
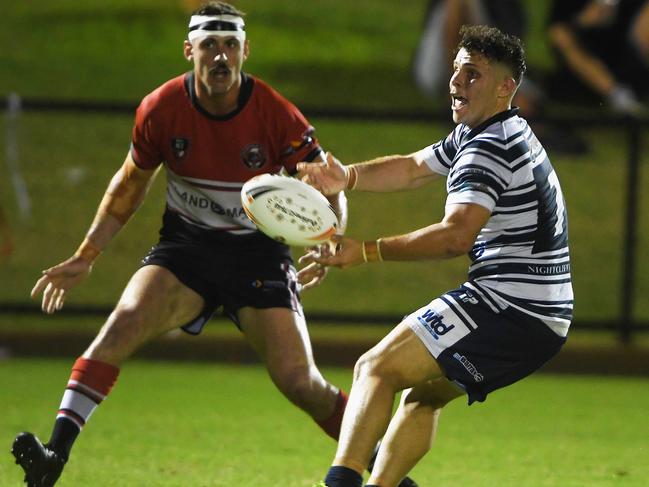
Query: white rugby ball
{"x": 288, "y": 210}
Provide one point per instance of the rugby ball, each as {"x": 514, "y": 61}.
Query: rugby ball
{"x": 288, "y": 210}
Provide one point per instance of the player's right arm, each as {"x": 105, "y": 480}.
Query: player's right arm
{"x": 388, "y": 173}
{"x": 123, "y": 196}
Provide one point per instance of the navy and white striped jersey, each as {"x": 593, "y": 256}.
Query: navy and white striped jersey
{"x": 521, "y": 256}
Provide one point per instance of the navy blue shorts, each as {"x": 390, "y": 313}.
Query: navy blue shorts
{"x": 481, "y": 350}
{"x": 227, "y": 270}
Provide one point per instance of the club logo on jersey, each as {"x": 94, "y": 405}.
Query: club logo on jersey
{"x": 179, "y": 146}
{"x": 253, "y": 156}
{"x": 432, "y": 321}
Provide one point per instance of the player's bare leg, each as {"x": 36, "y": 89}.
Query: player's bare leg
{"x": 139, "y": 316}
{"x": 154, "y": 302}
{"x": 280, "y": 338}
{"x": 396, "y": 363}
{"x": 285, "y": 347}
{"x": 414, "y": 424}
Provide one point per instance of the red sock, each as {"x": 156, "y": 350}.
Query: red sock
{"x": 331, "y": 425}
{"x": 89, "y": 384}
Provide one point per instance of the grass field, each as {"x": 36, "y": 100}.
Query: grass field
{"x": 68, "y": 159}
{"x": 332, "y": 52}
{"x": 169, "y": 424}
{"x": 206, "y": 425}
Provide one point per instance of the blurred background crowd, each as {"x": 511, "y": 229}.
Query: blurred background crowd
{"x": 601, "y": 49}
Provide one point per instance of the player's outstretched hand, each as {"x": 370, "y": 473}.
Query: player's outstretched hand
{"x": 348, "y": 253}
{"x": 328, "y": 177}
{"x": 56, "y": 281}
{"x": 313, "y": 273}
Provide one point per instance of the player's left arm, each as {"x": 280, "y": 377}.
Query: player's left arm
{"x": 455, "y": 235}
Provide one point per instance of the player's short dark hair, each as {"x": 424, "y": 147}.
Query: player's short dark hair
{"x": 495, "y": 45}
{"x": 217, "y": 8}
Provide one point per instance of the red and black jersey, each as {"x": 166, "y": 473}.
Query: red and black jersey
{"x": 208, "y": 158}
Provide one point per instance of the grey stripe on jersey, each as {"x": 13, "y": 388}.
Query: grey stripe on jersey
{"x": 521, "y": 256}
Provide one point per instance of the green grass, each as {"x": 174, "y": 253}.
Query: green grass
{"x": 220, "y": 327}
{"x": 67, "y": 160}
{"x": 122, "y": 49}
{"x": 205, "y": 425}
{"x": 331, "y": 53}
{"x": 212, "y": 425}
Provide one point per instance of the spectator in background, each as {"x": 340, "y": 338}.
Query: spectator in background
{"x": 6, "y": 238}
{"x": 605, "y": 44}
{"x": 435, "y": 52}
{"x": 190, "y": 5}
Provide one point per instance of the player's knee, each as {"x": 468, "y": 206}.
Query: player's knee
{"x": 375, "y": 365}
{"x": 366, "y": 365}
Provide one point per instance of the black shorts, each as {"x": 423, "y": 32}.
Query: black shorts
{"x": 227, "y": 270}
{"x": 481, "y": 350}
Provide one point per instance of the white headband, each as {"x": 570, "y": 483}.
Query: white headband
{"x": 216, "y": 25}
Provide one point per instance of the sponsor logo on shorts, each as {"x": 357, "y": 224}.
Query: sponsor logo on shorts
{"x": 477, "y": 376}
{"x": 468, "y": 297}
{"x": 432, "y": 321}
{"x": 267, "y": 284}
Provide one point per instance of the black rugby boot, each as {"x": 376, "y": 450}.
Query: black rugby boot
{"x": 42, "y": 465}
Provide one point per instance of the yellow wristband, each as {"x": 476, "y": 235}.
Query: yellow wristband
{"x": 378, "y": 249}
{"x": 351, "y": 174}
{"x": 371, "y": 251}
{"x": 88, "y": 251}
